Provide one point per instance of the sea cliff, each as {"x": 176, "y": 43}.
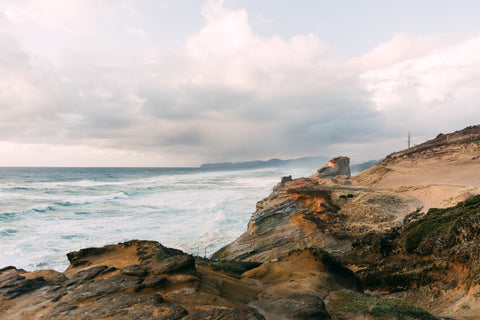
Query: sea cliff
{"x": 399, "y": 241}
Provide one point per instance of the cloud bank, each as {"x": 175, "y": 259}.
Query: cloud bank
{"x": 226, "y": 94}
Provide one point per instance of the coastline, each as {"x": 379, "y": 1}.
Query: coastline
{"x": 326, "y": 246}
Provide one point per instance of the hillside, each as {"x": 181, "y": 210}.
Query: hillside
{"x": 439, "y": 172}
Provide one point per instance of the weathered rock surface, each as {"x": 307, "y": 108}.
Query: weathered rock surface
{"x": 104, "y": 287}
{"x": 310, "y": 250}
{"x": 314, "y": 212}
{"x": 431, "y": 260}
{"x": 339, "y": 166}
{"x": 134, "y": 270}
{"x": 298, "y": 306}
{"x": 177, "y": 263}
{"x": 131, "y": 280}
{"x": 215, "y": 314}
{"x": 145, "y": 280}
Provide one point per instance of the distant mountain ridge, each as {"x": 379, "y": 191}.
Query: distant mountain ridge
{"x": 304, "y": 162}
{"x": 314, "y": 162}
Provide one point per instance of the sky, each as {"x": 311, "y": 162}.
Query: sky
{"x": 185, "y": 82}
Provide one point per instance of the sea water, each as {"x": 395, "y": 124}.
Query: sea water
{"x": 47, "y": 212}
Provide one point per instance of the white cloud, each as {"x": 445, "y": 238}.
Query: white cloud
{"x": 435, "y": 90}
{"x": 226, "y": 52}
{"x": 74, "y": 16}
{"x": 230, "y": 94}
{"x": 135, "y": 31}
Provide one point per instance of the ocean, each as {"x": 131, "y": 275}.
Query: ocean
{"x": 47, "y": 212}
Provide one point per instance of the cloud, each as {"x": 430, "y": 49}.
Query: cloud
{"x": 73, "y": 16}
{"x": 434, "y": 90}
{"x": 227, "y": 94}
{"x": 135, "y": 31}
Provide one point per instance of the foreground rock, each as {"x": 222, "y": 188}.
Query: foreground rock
{"x": 131, "y": 280}
{"x": 144, "y": 280}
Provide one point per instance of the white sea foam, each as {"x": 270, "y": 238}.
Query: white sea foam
{"x": 49, "y": 213}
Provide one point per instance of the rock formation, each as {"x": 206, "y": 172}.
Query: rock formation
{"x": 339, "y": 166}
{"x": 311, "y": 249}
{"x": 145, "y": 280}
{"x": 311, "y": 212}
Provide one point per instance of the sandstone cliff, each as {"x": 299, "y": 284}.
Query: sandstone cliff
{"x": 439, "y": 173}
{"x": 310, "y": 250}
{"x": 322, "y": 211}
{"x": 145, "y": 280}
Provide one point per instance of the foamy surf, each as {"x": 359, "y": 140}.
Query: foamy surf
{"x": 47, "y": 213}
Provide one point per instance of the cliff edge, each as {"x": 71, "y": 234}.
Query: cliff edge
{"x": 399, "y": 241}
{"x": 439, "y": 173}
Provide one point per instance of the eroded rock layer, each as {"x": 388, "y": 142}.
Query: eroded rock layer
{"x": 311, "y": 249}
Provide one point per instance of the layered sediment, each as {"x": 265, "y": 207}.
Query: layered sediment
{"x": 399, "y": 241}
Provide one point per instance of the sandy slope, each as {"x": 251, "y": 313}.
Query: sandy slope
{"x": 438, "y": 173}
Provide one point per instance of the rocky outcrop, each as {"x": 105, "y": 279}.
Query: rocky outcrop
{"x": 339, "y": 166}
{"x": 310, "y": 250}
{"x": 131, "y": 280}
{"x": 314, "y": 212}
{"x": 122, "y": 282}
{"x": 432, "y": 254}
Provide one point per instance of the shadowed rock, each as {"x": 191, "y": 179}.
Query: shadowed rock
{"x": 116, "y": 283}
{"x": 85, "y": 275}
{"x": 220, "y": 314}
{"x": 298, "y": 306}
{"x": 178, "y": 263}
{"x": 8, "y": 280}
{"x": 154, "y": 282}
{"x": 125, "y": 306}
{"x": 134, "y": 270}
{"x": 23, "y": 286}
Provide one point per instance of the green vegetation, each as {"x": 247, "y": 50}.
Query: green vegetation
{"x": 222, "y": 254}
{"x": 439, "y": 135}
{"x": 232, "y": 268}
{"x": 347, "y": 304}
{"x": 438, "y": 221}
{"x": 471, "y": 127}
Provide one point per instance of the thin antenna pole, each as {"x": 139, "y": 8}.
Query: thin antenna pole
{"x": 409, "y": 139}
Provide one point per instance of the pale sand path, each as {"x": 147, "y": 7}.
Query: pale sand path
{"x": 436, "y": 183}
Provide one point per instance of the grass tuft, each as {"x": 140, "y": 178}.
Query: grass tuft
{"x": 345, "y": 302}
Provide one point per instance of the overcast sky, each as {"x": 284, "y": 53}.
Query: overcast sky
{"x": 183, "y": 82}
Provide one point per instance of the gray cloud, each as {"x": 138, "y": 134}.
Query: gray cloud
{"x": 232, "y": 95}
